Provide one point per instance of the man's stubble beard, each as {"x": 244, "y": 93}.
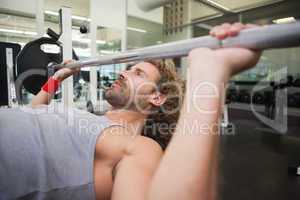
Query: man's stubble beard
{"x": 117, "y": 99}
{"x": 125, "y": 100}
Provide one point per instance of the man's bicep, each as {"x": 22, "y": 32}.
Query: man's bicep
{"x": 133, "y": 176}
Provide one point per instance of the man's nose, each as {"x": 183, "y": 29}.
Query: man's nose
{"x": 123, "y": 76}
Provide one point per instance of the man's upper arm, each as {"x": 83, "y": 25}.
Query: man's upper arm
{"x": 134, "y": 172}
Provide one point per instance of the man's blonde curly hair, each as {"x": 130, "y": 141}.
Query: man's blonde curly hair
{"x": 161, "y": 124}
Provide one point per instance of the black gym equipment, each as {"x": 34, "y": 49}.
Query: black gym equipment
{"x": 85, "y": 75}
{"x": 258, "y": 98}
{"x": 232, "y": 95}
{"x": 33, "y": 57}
{"x": 294, "y": 100}
{"x": 296, "y": 82}
{"x": 244, "y": 96}
{"x": 83, "y": 29}
{"x": 4, "y": 89}
{"x": 32, "y": 62}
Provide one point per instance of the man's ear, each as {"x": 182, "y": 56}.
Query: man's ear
{"x": 158, "y": 99}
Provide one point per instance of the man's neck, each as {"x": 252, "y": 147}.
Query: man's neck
{"x": 131, "y": 119}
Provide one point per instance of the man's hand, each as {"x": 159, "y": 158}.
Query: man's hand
{"x": 233, "y": 60}
{"x": 45, "y": 98}
{"x": 239, "y": 59}
{"x": 64, "y": 73}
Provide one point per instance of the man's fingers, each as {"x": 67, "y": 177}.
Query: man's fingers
{"x": 223, "y": 31}
{"x": 251, "y": 25}
{"x": 229, "y": 30}
{"x": 67, "y": 62}
{"x": 213, "y": 31}
{"x": 77, "y": 70}
{"x": 73, "y": 70}
{"x": 220, "y": 32}
{"x": 236, "y": 28}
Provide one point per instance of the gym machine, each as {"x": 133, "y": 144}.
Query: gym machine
{"x": 8, "y": 53}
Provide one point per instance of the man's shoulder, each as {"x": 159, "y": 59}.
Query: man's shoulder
{"x": 144, "y": 144}
{"x": 112, "y": 142}
{"x": 117, "y": 140}
{"x": 143, "y": 153}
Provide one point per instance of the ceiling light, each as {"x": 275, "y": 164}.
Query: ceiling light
{"x": 87, "y": 40}
{"x": 204, "y": 26}
{"x": 100, "y": 42}
{"x": 10, "y": 31}
{"x": 80, "y": 18}
{"x": 218, "y": 5}
{"x": 49, "y": 12}
{"x": 137, "y": 29}
{"x": 284, "y": 20}
{"x": 17, "y": 31}
{"x": 81, "y": 40}
{"x": 88, "y": 19}
{"x": 30, "y": 33}
{"x": 106, "y": 52}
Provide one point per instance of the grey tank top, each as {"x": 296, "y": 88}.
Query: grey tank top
{"x": 48, "y": 153}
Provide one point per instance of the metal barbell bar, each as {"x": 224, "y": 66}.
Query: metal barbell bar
{"x": 259, "y": 38}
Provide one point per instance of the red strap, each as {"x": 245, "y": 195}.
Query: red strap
{"x": 51, "y": 86}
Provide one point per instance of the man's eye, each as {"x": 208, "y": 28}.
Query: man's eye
{"x": 138, "y": 73}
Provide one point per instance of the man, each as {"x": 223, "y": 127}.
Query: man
{"x": 71, "y": 162}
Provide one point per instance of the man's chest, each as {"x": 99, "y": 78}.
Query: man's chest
{"x": 107, "y": 155}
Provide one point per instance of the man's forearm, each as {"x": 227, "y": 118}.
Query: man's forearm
{"x": 44, "y": 97}
{"x": 41, "y": 98}
{"x": 188, "y": 169}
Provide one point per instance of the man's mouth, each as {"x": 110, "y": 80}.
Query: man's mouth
{"x": 118, "y": 83}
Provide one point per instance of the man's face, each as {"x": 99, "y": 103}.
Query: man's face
{"x": 134, "y": 88}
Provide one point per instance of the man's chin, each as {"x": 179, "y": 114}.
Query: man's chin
{"x": 116, "y": 100}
